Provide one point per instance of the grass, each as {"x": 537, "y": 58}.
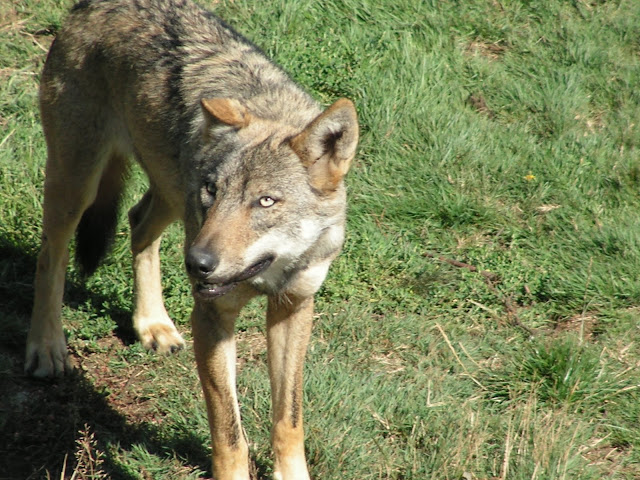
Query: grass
{"x": 483, "y": 320}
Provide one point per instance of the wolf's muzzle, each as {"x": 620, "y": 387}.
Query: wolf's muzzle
{"x": 201, "y": 265}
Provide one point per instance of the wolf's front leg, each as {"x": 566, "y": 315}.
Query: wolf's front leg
{"x": 289, "y": 322}
{"x": 215, "y": 350}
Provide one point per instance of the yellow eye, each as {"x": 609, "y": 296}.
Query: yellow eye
{"x": 266, "y": 202}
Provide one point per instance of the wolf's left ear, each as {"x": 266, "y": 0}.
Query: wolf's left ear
{"x": 228, "y": 111}
{"x": 328, "y": 144}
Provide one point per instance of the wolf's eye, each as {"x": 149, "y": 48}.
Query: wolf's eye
{"x": 266, "y": 202}
{"x": 211, "y": 188}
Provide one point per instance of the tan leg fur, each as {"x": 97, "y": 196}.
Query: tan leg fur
{"x": 289, "y": 322}
{"x": 151, "y": 322}
{"x": 214, "y": 345}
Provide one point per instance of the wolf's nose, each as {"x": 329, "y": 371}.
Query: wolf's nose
{"x": 200, "y": 263}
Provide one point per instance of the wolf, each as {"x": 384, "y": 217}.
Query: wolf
{"x": 232, "y": 147}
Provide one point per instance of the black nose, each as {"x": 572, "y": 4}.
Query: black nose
{"x": 200, "y": 263}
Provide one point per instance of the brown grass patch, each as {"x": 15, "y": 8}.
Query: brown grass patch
{"x": 491, "y": 51}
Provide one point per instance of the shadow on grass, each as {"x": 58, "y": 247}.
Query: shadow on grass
{"x": 17, "y": 270}
{"x": 41, "y": 421}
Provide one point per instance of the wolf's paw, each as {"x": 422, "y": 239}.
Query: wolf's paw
{"x": 47, "y": 357}
{"x": 162, "y": 337}
{"x": 296, "y": 473}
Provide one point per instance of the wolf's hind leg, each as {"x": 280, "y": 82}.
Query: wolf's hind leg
{"x": 153, "y": 326}
{"x": 74, "y": 176}
{"x": 46, "y": 344}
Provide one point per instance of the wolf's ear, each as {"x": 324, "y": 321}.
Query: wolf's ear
{"x": 228, "y": 111}
{"x": 328, "y": 144}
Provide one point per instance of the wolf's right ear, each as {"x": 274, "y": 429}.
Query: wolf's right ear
{"x": 227, "y": 111}
{"x": 328, "y": 144}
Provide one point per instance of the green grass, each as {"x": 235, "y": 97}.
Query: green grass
{"x": 503, "y": 135}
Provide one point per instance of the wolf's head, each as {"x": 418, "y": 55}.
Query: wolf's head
{"x": 270, "y": 198}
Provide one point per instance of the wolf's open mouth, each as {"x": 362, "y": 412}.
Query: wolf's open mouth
{"x": 214, "y": 290}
